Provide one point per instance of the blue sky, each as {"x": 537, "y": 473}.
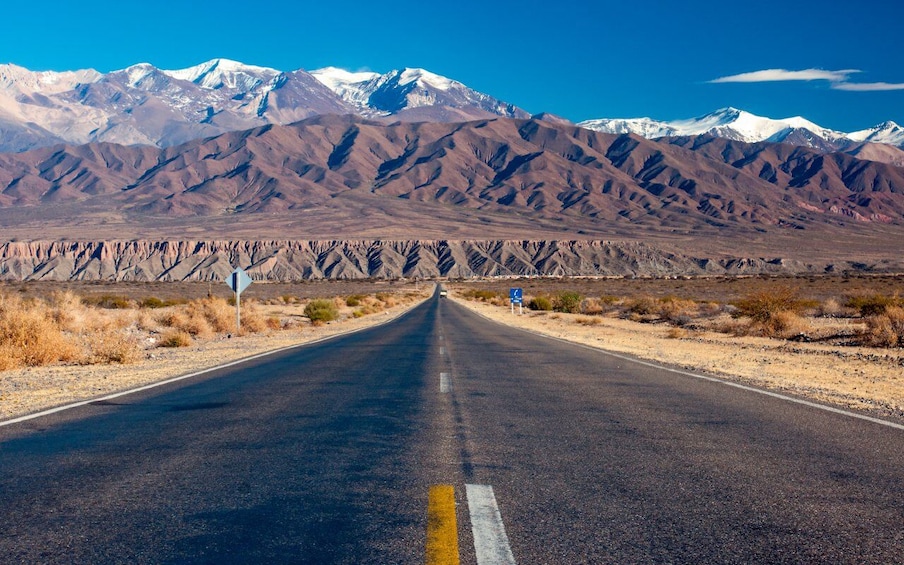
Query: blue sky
{"x": 837, "y": 63}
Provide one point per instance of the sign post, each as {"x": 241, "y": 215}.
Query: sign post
{"x": 516, "y": 296}
{"x": 238, "y": 281}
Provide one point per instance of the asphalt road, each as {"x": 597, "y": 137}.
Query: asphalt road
{"x": 336, "y": 452}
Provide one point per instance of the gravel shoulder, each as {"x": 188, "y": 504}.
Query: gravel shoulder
{"x": 864, "y": 379}
{"x": 33, "y": 389}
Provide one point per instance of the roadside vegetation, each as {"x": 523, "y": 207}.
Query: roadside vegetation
{"x": 827, "y": 309}
{"x": 67, "y": 328}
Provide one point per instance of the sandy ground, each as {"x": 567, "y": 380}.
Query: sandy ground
{"x": 860, "y": 378}
{"x": 30, "y": 390}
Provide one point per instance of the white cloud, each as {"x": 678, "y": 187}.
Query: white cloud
{"x": 776, "y": 75}
{"x": 838, "y": 79}
{"x": 867, "y": 86}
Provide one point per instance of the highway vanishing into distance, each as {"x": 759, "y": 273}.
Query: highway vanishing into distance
{"x": 439, "y": 437}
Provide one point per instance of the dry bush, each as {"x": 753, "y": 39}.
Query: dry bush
{"x": 542, "y": 303}
{"x": 588, "y": 321}
{"x": 676, "y": 333}
{"x": 591, "y": 307}
{"x": 783, "y": 324}
{"x": 872, "y": 304}
{"x": 677, "y": 311}
{"x": 642, "y": 306}
{"x": 887, "y": 329}
{"x": 29, "y": 336}
{"x": 217, "y": 312}
{"x": 175, "y": 338}
{"x": 762, "y": 306}
{"x": 113, "y": 345}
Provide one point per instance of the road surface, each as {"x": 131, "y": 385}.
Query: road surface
{"x": 442, "y": 436}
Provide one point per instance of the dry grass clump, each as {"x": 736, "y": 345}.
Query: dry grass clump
{"x": 872, "y": 304}
{"x": 773, "y": 313}
{"x": 175, "y": 338}
{"x": 541, "y": 303}
{"x": 588, "y": 321}
{"x": 201, "y": 318}
{"x": 886, "y": 329}
{"x": 30, "y": 336}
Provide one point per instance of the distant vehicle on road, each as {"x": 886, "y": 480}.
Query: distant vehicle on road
{"x": 443, "y": 293}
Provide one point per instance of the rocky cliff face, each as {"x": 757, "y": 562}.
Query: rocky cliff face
{"x": 289, "y": 260}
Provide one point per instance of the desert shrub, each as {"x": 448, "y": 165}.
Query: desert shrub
{"x": 642, "y": 306}
{"x": 609, "y": 300}
{"x": 782, "y": 324}
{"x": 591, "y": 307}
{"x": 321, "y": 311}
{"x": 29, "y": 336}
{"x": 567, "y": 301}
{"x": 273, "y": 323}
{"x": 886, "y": 329}
{"x": 588, "y": 321}
{"x": 113, "y": 345}
{"x": 358, "y": 314}
{"x": 677, "y": 311}
{"x": 109, "y": 302}
{"x": 872, "y": 305}
{"x": 540, "y": 303}
{"x": 175, "y": 338}
{"x": 152, "y": 302}
{"x": 676, "y": 333}
{"x": 354, "y": 300}
{"x": 762, "y": 306}
{"x": 481, "y": 295}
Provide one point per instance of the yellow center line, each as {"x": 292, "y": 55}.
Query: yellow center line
{"x": 442, "y": 530}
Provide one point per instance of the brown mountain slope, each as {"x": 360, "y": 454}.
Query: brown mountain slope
{"x": 341, "y": 177}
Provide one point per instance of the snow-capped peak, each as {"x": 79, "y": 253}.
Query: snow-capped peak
{"x": 729, "y": 122}
{"x": 886, "y": 132}
{"x": 49, "y": 82}
{"x": 427, "y": 78}
{"x": 335, "y": 78}
{"x": 136, "y": 73}
{"x": 220, "y": 73}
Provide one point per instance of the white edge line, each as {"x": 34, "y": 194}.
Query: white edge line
{"x": 142, "y": 388}
{"x": 703, "y": 377}
{"x": 491, "y": 544}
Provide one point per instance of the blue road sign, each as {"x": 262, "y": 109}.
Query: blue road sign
{"x": 516, "y": 295}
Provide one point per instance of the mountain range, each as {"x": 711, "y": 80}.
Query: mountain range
{"x": 144, "y": 105}
{"x": 738, "y": 125}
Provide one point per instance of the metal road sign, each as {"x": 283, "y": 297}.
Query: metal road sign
{"x": 238, "y": 281}
{"x": 516, "y": 295}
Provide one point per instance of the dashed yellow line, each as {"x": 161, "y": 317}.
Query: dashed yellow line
{"x": 442, "y": 530}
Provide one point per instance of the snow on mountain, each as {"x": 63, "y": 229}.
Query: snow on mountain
{"x": 352, "y": 87}
{"x": 224, "y": 73}
{"x": 735, "y": 124}
{"x": 143, "y": 104}
{"x": 886, "y": 132}
{"x": 22, "y": 80}
{"x": 408, "y": 92}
